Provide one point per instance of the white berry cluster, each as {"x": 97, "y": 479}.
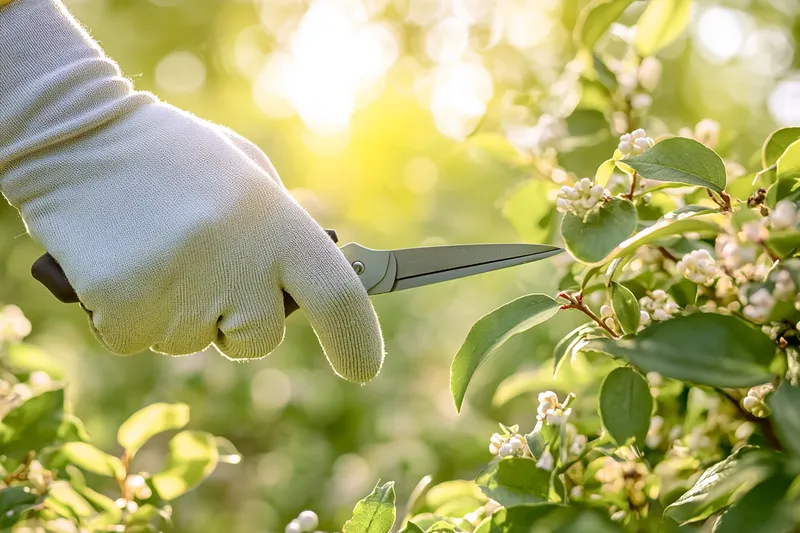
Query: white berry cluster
{"x": 759, "y": 305}
{"x": 550, "y": 410}
{"x": 582, "y": 198}
{"x": 698, "y": 267}
{"x": 659, "y": 305}
{"x": 784, "y": 216}
{"x": 754, "y": 401}
{"x": 13, "y": 325}
{"x": 306, "y": 522}
{"x": 136, "y": 487}
{"x": 507, "y": 445}
{"x": 634, "y": 143}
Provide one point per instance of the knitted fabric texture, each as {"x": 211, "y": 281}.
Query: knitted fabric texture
{"x": 175, "y": 232}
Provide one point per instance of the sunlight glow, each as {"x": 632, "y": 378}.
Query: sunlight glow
{"x": 459, "y": 97}
{"x": 721, "y": 32}
{"x": 181, "y": 72}
{"x": 334, "y": 58}
{"x": 783, "y": 102}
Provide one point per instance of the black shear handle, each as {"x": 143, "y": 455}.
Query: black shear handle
{"x": 48, "y": 272}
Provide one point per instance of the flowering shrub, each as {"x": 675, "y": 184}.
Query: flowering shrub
{"x": 45, "y": 454}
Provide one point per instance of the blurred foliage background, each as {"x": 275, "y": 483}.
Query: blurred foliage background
{"x": 396, "y": 122}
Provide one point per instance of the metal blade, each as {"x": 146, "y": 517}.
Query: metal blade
{"x": 423, "y": 266}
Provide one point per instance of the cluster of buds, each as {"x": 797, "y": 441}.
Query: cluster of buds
{"x": 737, "y": 254}
{"x": 659, "y": 305}
{"x": 784, "y": 216}
{"x": 509, "y": 443}
{"x": 754, "y": 401}
{"x": 627, "y": 477}
{"x": 759, "y": 305}
{"x": 13, "y": 325}
{"x": 577, "y": 441}
{"x": 635, "y": 143}
{"x": 306, "y": 522}
{"x": 136, "y": 487}
{"x": 551, "y": 411}
{"x": 785, "y": 289}
{"x": 698, "y": 267}
{"x": 582, "y": 198}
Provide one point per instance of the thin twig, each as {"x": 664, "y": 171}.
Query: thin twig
{"x": 577, "y": 303}
{"x": 629, "y": 196}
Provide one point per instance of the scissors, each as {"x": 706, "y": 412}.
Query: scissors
{"x": 380, "y": 271}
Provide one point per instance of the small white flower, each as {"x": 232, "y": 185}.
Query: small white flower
{"x": 698, "y": 267}
{"x": 644, "y": 318}
{"x": 754, "y": 231}
{"x": 548, "y": 400}
{"x": 559, "y": 416}
{"x": 606, "y": 311}
{"x": 784, "y": 215}
{"x": 654, "y": 379}
{"x": 653, "y": 438}
{"x": 39, "y": 380}
{"x": 649, "y": 73}
{"x": 634, "y": 143}
{"x": 13, "y": 325}
{"x": 308, "y": 521}
{"x": 546, "y": 461}
{"x": 293, "y": 527}
{"x": 580, "y": 199}
{"x": 759, "y": 305}
{"x": 505, "y": 450}
{"x": 659, "y": 305}
{"x": 735, "y": 254}
{"x": 576, "y": 492}
{"x": 516, "y": 443}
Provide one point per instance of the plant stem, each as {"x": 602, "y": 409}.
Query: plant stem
{"x": 576, "y": 302}
{"x": 629, "y": 196}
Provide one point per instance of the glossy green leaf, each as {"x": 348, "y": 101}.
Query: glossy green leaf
{"x": 788, "y": 166}
{"x": 626, "y": 307}
{"x": 777, "y": 143}
{"x": 32, "y": 425}
{"x": 680, "y": 160}
{"x": 661, "y": 23}
{"x": 150, "y": 421}
{"x": 515, "y": 480}
{"x": 411, "y": 527}
{"x": 192, "y": 457}
{"x": 375, "y": 513}
{"x": 625, "y": 405}
{"x": 592, "y": 238}
{"x": 762, "y": 510}
{"x": 604, "y": 172}
{"x": 458, "y": 489}
{"x": 785, "y": 406}
{"x": 14, "y": 501}
{"x": 783, "y": 242}
{"x": 488, "y": 333}
{"x": 64, "y": 493}
{"x": 443, "y": 526}
{"x": 595, "y": 19}
{"x": 719, "y": 484}
{"x": 658, "y": 231}
{"x": 89, "y": 458}
{"x": 519, "y": 518}
{"x": 542, "y": 435}
{"x": 703, "y": 348}
{"x": 567, "y": 343}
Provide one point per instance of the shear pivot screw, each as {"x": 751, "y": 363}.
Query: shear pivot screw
{"x": 359, "y": 267}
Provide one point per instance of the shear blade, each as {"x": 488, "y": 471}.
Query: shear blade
{"x": 423, "y": 266}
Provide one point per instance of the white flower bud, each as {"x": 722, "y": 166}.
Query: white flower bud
{"x": 784, "y": 216}
{"x": 639, "y": 133}
{"x": 644, "y": 318}
{"x": 13, "y": 325}
{"x": 784, "y": 286}
{"x": 625, "y": 147}
{"x": 606, "y": 311}
{"x": 505, "y": 450}
{"x": 293, "y": 527}
{"x": 135, "y": 482}
{"x": 308, "y": 521}
{"x": 759, "y": 305}
{"x": 754, "y": 231}
{"x": 659, "y": 305}
{"x": 516, "y": 443}
{"x": 641, "y": 101}
{"x": 578, "y": 444}
{"x": 546, "y": 461}
{"x": 650, "y": 73}
{"x": 581, "y": 199}
{"x": 698, "y": 267}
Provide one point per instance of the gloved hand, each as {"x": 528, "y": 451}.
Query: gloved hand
{"x": 174, "y": 232}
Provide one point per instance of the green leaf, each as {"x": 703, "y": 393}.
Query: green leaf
{"x": 604, "y": 172}
{"x": 375, "y": 513}
{"x": 29, "y": 357}
{"x": 192, "y": 457}
{"x": 783, "y": 242}
{"x": 542, "y": 435}
{"x": 14, "y": 501}
{"x": 457, "y": 495}
{"x": 488, "y": 333}
{"x": 151, "y": 420}
{"x": 658, "y": 231}
{"x": 721, "y": 483}
{"x": 703, "y": 348}
{"x": 32, "y": 425}
{"x": 227, "y": 452}
{"x": 591, "y": 239}
{"x": 443, "y": 526}
{"x": 625, "y": 405}
{"x": 519, "y": 518}
{"x": 679, "y": 160}
{"x": 777, "y": 143}
{"x": 64, "y": 493}
{"x": 595, "y": 19}
{"x": 528, "y": 211}
{"x": 762, "y": 510}
{"x": 626, "y": 307}
{"x": 661, "y": 23}
{"x": 566, "y": 344}
{"x": 89, "y": 458}
{"x": 785, "y": 406}
{"x": 411, "y": 527}
{"x": 515, "y": 480}
{"x": 788, "y": 166}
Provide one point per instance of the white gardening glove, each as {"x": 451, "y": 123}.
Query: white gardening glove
{"x": 174, "y": 232}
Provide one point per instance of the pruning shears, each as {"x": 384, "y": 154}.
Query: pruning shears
{"x": 380, "y": 271}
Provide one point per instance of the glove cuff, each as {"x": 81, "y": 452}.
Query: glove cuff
{"x": 55, "y": 81}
